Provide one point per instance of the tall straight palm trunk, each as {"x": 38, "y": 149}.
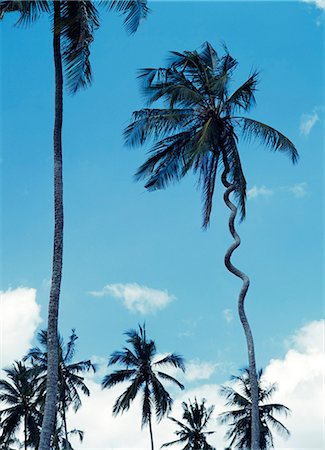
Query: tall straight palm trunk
{"x": 52, "y": 332}
{"x": 151, "y": 433}
{"x": 255, "y": 430}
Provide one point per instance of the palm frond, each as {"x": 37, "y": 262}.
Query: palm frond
{"x": 171, "y": 379}
{"x": 243, "y": 98}
{"x": 269, "y": 136}
{"x": 79, "y": 20}
{"x": 29, "y": 10}
{"x": 172, "y": 359}
{"x": 134, "y": 12}
{"x": 119, "y": 376}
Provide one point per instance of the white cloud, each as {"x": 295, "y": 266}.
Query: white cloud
{"x": 228, "y": 315}
{"x": 307, "y": 122}
{"x": 300, "y": 376}
{"x": 199, "y": 370}
{"x": 255, "y": 192}
{"x": 299, "y": 190}
{"x": 137, "y": 298}
{"x": 320, "y": 4}
{"x": 20, "y": 316}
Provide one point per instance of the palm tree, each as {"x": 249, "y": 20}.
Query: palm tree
{"x": 239, "y": 419}
{"x": 19, "y": 393}
{"x": 73, "y": 26}
{"x": 192, "y": 431}
{"x": 198, "y": 130}
{"x": 143, "y": 372}
{"x": 70, "y": 381}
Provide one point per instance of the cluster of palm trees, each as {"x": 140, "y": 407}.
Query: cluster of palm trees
{"x": 23, "y": 394}
{"x": 197, "y": 129}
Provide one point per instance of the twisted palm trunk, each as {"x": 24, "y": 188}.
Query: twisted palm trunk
{"x": 48, "y": 423}
{"x": 255, "y": 430}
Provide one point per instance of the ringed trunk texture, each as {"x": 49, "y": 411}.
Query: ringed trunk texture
{"x": 50, "y": 409}
{"x": 255, "y": 430}
{"x": 151, "y": 433}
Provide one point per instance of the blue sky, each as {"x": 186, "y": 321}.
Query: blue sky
{"x": 116, "y": 233}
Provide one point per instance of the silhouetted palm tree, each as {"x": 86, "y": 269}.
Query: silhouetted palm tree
{"x": 73, "y": 27}
{"x": 70, "y": 381}
{"x": 144, "y": 374}
{"x": 199, "y": 130}
{"x": 192, "y": 430}
{"x": 19, "y": 393}
{"x": 239, "y": 419}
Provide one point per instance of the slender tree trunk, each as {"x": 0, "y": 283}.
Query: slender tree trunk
{"x": 151, "y": 433}
{"x": 25, "y": 431}
{"x": 64, "y": 417}
{"x": 50, "y": 409}
{"x": 255, "y": 430}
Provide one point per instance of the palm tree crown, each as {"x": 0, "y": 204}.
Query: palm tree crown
{"x": 192, "y": 430}
{"x": 199, "y": 127}
{"x": 144, "y": 373}
{"x": 19, "y": 392}
{"x": 239, "y": 419}
{"x": 70, "y": 379}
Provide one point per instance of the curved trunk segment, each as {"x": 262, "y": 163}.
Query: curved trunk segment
{"x": 48, "y": 423}
{"x": 255, "y": 431}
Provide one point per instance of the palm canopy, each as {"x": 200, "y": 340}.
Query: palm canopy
{"x": 144, "y": 374}
{"x": 192, "y": 431}
{"x": 70, "y": 381}
{"x": 19, "y": 393}
{"x": 199, "y": 125}
{"x": 239, "y": 419}
{"x": 78, "y": 23}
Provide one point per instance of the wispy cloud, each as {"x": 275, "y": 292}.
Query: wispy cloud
{"x": 199, "y": 370}
{"x": 228, "y": 315}
{"x": 255, "y": 192}
{"x": 299, "y": 190}
{"x": 320, "y": 4}
{"x": 308, "y": 121}
{"x": 136, "y": 298}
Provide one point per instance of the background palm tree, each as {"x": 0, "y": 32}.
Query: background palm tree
{"x": 19, "y": 393}
{"x": 198, "y": 130}
{"x": 70, "y": 379}
{"x": 239, "y": 419}
{"x": 192, "y": 432}
{"x": 73, "y": 27}
{"x": 144, "y": 374}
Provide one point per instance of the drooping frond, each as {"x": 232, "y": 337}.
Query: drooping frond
{"x": 124, "y": 401}
{"x": 119, "y": 376}
{"x": 172, "y": 359}
{"x": 161, "y": 399}
{"x": 134, "y": 12}
{"x": 155, "y": 123}
{"x": 269, "y": 136}
{"x": 168, "y": 162}
{"x": 79, "y": 20}
{"x": 171, "y": 379}
{"x": 29, "y": 10}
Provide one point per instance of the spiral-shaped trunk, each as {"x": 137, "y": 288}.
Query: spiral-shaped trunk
{"x": 50, "y": 409}
{"x": 255, "y": 429}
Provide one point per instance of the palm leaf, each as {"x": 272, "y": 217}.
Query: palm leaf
{"x": 134, "y": 12}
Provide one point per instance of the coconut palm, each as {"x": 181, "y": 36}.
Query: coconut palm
{"x": 192, "y": 431}
{"x": 70, "y": 380}
{"x": 19, "y": 393}
{"x": 239, "y": 419}
{"x": 143, "y": 372}
{"x": 198, "y": 130}
{"x": 73, "y": 27}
